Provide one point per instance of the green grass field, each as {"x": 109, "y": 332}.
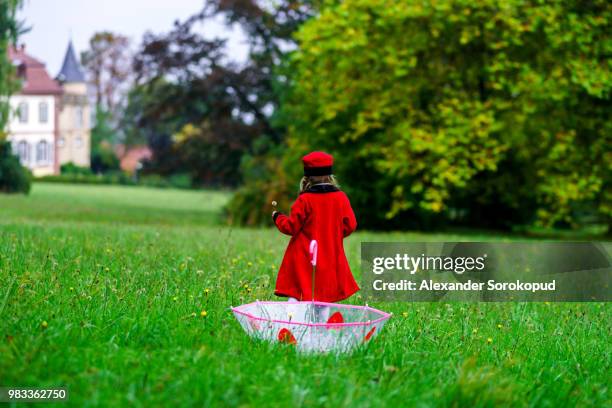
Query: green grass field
{"x": 103, "y": 290}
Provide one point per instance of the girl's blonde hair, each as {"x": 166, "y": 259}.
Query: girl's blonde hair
{"x": 309, "y": 181}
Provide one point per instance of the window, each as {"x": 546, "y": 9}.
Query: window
{"x": 42, "y": 152}
{"x": 61, "y": 142}
{"x": 22, "y": 111}
{"x": 78, "y": 117}
{"x": 78, "y": 143}
{"x": 23, "y": 151}
{"x": 43, "y": 112}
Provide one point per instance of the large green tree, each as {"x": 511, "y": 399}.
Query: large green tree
{"x": 9, "y": 30}
{"x": 482, "y": 112}
{"x": 13, "y": 177}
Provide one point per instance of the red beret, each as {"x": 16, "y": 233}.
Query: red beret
{"x": 318, "y": 164}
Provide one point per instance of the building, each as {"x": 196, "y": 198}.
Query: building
{"x": 74, "y": 142}
{"x": 49, "y": 124}
{"x": 131, "y": 158}
{"x": 33, "y": 124}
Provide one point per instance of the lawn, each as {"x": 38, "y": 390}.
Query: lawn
{"x": 103, "y": 290}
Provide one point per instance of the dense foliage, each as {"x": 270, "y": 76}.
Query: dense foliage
{"x": 14, "y": 178}
{"x": 480, "y": 113}
{"x": 185, "y": 106}
{"x": 441, "y": 113}
{"x": 9, "y": 30}
{"x": 103, "y": 138}
{"x": 201, "y": 113}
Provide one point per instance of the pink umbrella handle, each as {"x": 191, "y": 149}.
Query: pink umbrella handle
{"x": 314, "y": 249}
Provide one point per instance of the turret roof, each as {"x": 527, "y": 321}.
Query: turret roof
{"x": 71, "y": 70}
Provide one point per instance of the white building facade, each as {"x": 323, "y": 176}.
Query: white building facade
{"x": 32, "y": 131}
{"x": 33, "y": 124}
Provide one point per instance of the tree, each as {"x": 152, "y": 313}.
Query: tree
{"x": 9, "y": 31}
{"x": 184, "y": 105}
{"x": 13, "y": 176}
{"x": 108, "y": 70}
{"x": 477, "y": 112}
{"x": 103, "y": 158}
{"x": 199, "y": 112}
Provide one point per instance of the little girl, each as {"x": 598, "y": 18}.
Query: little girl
{"x": 321, "y": 212}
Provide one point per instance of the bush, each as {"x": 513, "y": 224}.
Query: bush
{"x": 270, "y": 174}
{"x": 180, "y": 180}
{"x": 79, "y": 175}
{"x": 14, "y": 178}
{"x": 103, "y": 158}
{"x": 73, "y": 169}
{"x": 153, "y": 180}
{"x": 82, "y": 178}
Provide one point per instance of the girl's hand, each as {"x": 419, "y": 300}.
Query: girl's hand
{"x": 274, "y": 203}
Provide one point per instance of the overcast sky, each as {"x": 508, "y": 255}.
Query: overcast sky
{"x": 54, "y": 22}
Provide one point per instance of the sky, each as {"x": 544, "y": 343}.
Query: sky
{"x": 54, "y": 22}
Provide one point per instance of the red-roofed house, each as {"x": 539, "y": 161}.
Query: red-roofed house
{"x": 50, "y": 121}
{"x": 131, "y": 158}
{"x": 33, "y": 126}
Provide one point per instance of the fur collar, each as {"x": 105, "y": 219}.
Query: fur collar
{"x": 322, "y": 188}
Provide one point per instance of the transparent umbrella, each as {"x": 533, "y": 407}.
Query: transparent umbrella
{"x": 312, "y": 326}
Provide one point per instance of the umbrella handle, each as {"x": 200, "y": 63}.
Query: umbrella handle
{"x": 314, "y": 250}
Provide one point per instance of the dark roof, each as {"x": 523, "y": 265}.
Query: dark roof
{"x": 71, "y": 70}
{"x": 36, "y": 79}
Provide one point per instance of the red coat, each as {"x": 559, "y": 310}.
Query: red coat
{"x": 323, "y": 213}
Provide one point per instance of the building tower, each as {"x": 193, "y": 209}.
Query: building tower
{"x": 74, "y": 141}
